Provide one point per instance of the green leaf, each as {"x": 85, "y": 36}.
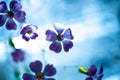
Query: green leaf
{"x": 83, "y": 70}
{"x": 17, "y": 74}
{"x": 11, "y": 43}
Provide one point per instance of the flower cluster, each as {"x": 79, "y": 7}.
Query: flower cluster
{"x": 14, "y": 12}
{"x": 59, "y": 39}
{"x": 36, "y": 67}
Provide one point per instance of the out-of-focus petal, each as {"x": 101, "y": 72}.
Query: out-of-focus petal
{"x": 89, "y": 78}
{"x": 34, "y": 36}
{"x": 11, "y": 25}
{"x": 58, "y": 29}
{"x": 101, "y": 70}
{"x": 68, "y": 34}
{"x": 49, "y": 70}
{"x": 92, "y": 70}
{"x": 3, "y": 7}
{"x": 20, "y": 16}
{"x": 50, "y": 35}
{"x": 2, "y": 20}
{"x": 56, "y": 47}
{"x": 18, "y": 55}
{"x": 15, "y": 59}
{"x": 27, "y": 76}
{"x": 99, "y": 77}
{"x": 67, "y": 45}
{"x": 22, "y": 54}
{"x": 36, "y": 66}
{"x": 15, "y": 6}
{"x": 49, "y": 79}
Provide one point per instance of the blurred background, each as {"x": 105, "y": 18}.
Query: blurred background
{"x": 95, "y": 25}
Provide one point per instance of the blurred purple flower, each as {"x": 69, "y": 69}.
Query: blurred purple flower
{"x": 14, "y": 12}
{"x": 92, "y": 72}
{"x": 36, "y": 67}
{"x": 18, "y": 55}
{"x": 28, "y": 32}
{"x": 56, "y": 39}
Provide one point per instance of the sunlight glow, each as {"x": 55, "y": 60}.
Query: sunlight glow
{"x": 32, "y": 46}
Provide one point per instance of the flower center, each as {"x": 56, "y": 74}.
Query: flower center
{"x": 59, "y": 38}
{"x": 40, "y": 76}
{"x": 10, "y": 14}
{"x": 29, "y": 32}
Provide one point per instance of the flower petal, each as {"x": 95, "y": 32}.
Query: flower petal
{"x": 49, "y": 79}
{"x": 68, "y": 34}
{"x": 67, "y": 45}
{"x": 101, "y": 70}
{"x": 2, "y": 20}
{"x": 56, "y": 47}
{"x": 50, "y": 35}
{"x": 99, "y": 77}
{"x": 11, "y": 25}
{"x": 15, "y": 6}
{"x": 89, "y": 78}
{"x": 20, "y": 16}
{"x": 25, "y": 37}
{"x": 15, "y": 59}
{"x": 58, "y": 29}
{"x": 49, "y": 70}
{"x": 36, "y": 66}
{"x": 26, "y": 29}
{"x": 27, "y": 76}
{"x": 3, "y": 7}
{"x": 34, "y": 36}
{"x": 92, "y": 70}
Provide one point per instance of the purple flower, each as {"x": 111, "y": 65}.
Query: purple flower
{"x": 92, "y": 72}
{"x": 18, "y": 55}
{"x": 36, "y": 67}
{"x": 56, "y": 39}
{"x": 28, "y": 32}
{"x": 9, "y": 15}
